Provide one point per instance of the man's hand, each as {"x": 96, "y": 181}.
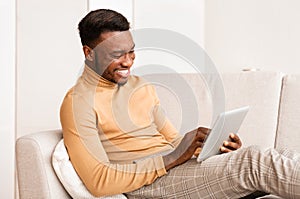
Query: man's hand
{"x": 187, "y": 147}
{"x": 232, "y": 145}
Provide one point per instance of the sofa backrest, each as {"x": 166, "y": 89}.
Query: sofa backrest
{"x": 288, "y": 133}
{"x": 260, "y": 90}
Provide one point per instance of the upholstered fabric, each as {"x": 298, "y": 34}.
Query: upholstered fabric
{"x": 68, "y": 176}
{"x": 289, "y": 114}
{"x": 261, "y": 91}
{"x": 36, "y": 177}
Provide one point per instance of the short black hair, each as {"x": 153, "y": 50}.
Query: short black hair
{"x": 99, "y": 21}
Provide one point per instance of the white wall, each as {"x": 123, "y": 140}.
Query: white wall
{"x": 253, "y": 33}
{"x": 7, "y": 96}
{"x": 49, "y": 58}
{"x": 236, "y": 34}
{"x": 183, "y": 16}
{"x": 125, "y": 7}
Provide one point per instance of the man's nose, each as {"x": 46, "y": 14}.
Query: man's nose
{"x": 127, "y": 59}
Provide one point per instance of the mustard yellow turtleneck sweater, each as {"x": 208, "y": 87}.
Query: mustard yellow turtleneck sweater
{"x": 115, "y": 135}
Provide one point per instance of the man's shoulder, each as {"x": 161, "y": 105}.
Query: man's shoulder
{"x": 80, "y": 93}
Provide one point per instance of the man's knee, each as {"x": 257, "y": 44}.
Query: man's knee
{"x": 252, "y": 150}
{"x": 249, "y": 155}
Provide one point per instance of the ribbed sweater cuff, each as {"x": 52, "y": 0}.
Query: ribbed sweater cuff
{"x": 159, "y": 166}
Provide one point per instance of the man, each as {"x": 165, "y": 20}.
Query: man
{"x": 119, "y": 140}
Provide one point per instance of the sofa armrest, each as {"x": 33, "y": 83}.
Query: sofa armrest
{"x": 36, "y": 177}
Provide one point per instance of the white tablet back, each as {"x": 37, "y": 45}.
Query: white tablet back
{"x": 226, "y": 123}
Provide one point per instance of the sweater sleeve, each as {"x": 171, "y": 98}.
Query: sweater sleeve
{"x": 163, "y": 124}
{"x": 88, "y": 157}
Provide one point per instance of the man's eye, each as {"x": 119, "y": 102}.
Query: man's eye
{"x": 116, "y": 55}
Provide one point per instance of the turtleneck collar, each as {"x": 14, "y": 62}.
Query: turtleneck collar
{"x": 94, "y": 78}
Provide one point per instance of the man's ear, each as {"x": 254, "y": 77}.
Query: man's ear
{"x": 88, "y": 53}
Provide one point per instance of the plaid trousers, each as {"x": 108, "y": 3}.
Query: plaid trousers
{"x": 231, "y": 175}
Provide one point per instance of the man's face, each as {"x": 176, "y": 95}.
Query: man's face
{"x": 114, "y": 56}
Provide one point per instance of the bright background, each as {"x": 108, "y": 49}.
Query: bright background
{"x": 41, "y": 52}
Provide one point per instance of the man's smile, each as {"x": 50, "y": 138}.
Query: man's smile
{"x": 123, "y": 72}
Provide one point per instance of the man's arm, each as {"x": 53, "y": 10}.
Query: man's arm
{"x": 164, "y": 126}
{"x": 193, "y": 140}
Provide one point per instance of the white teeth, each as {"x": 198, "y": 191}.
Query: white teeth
{"x": 123, "y": 71}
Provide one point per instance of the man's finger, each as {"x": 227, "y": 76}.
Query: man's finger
{"x": 235, "y": 138}
{"x": 201, "y": 135}
{"x": 224, "y": 149}
{"x": 231, "y": 145}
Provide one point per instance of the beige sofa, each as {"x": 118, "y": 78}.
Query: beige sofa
{"x": 271, "y": 122}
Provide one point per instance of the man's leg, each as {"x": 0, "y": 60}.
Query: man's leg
{"x": 231, "y": 175}
{"x": 291, "y": 154}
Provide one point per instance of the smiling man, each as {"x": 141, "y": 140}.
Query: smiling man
{"x": 119, "y": 140}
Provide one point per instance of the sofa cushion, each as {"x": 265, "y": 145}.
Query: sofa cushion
{"x": 68, "y": 176}
{"x": 261, "y": 91}
{"x": 289, "y": 114}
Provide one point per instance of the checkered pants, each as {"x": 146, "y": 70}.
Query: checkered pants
{"x": 231, "y": 175}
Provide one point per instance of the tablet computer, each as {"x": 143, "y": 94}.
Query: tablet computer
{"x": 226, "y": 123}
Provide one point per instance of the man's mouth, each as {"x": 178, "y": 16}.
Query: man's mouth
{"x": 123, "y": 72}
